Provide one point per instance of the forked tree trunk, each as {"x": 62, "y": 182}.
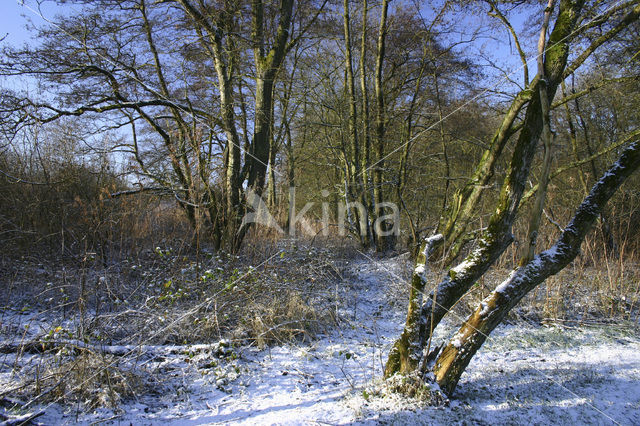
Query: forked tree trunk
{"x": 461, "y": 210}
{"x": 405, "y": 356}
{"x": 406, "y": 353}
{"x": 453, "y": 224}
{"x": 455, "y": 357}
{"x": 268, "y": 58}
{"x": 268, "y": 62}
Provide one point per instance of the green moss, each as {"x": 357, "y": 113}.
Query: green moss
{"x": 558, "y": 49}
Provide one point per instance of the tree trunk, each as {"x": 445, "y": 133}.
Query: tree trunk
{"x": 291, "y": 172}
{"x": 384, "y": 242}
{"x": 357, "y": 180}
{"x": 366, "y": 135}
{"x": 497, "y": 236}
{"x": 272, "y": 200}
{"x": 260, "y": 148}
{"x": 453, "y": 225}
{"x": 267, "y": 66}
{"x": 455, "y": 357}
{"x": 405, "y": 354}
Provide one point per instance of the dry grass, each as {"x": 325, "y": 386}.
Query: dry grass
{"x": 610, "y": 292}
{"x": 85, "y": 377}
{"x": 170, "y": 295}
{"x": 285, "y": 320}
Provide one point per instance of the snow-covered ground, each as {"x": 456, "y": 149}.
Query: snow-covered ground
{"x": 523, "y": 375}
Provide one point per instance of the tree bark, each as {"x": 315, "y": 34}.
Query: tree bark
{"x": 497, "y": 236}
{"x": 357, "y": 178}
{"x": 406, "y": 353}
{"x": 455, "y": 357}
{"x": 383, "y": 242}
{"x": 267, "y": 65}
{"x": 453, "y": 225}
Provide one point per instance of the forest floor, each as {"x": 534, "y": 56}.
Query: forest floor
{"x": 525, "y": 374}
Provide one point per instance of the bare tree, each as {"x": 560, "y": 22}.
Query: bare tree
{"x": 410, "y": 353}
{"x": 118, "y": 61}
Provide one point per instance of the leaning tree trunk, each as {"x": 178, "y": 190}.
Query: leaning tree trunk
{"x": 455, "y": 357}
{"x": 453, "y": 224}
{"x": 407, "y": 352}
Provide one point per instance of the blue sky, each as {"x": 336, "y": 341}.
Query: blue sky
{"x": 14, "y": 17}
{"x": 16, "y": 14}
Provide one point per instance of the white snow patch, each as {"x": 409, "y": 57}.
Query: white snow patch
{"x": 591, "y": 378}
{"x": 462, "y": 266}
{"x": 505, "y": 284}
{"x": 485, "y": 308}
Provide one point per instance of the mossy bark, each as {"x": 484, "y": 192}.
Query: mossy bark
{"x": 497, "y": 236}
{"x": 458, "y": 353}
{"x": 453, "y": 224}
{"x": 406, "y": 354}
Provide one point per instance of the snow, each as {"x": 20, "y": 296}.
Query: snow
{"x": 502, "y": 287}
{"x": 463, "y": 266}
{"x": 430, "y": 242}
{"x": 535, "y": 264}
{"x": 421, "y": 268}
{"x": 523, "y": 374}
{"x": 485, "y": 308}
